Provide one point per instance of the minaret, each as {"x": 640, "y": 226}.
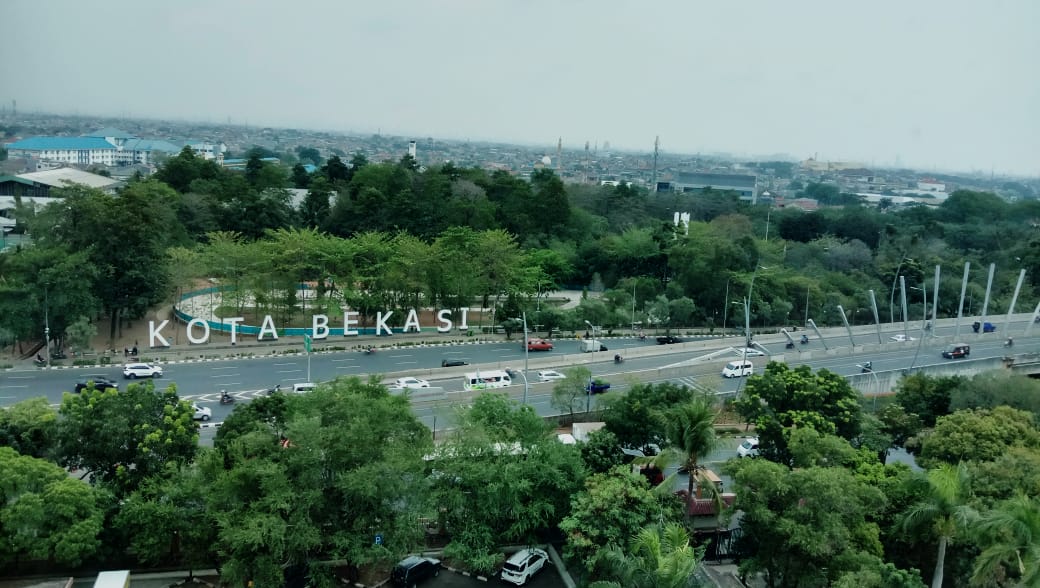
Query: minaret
{"x": 559, "y": 156}
{"x": 657, "y": 142}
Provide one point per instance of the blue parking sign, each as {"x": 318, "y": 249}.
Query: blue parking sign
{"x": 379, "y": 539}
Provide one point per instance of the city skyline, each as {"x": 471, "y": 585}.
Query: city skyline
{"x": 934, "y": 86}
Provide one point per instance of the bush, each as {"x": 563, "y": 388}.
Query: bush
{"x": 105, "y": 360}
{"x": 77, "y": 362}
{"x": 6, "y": 366}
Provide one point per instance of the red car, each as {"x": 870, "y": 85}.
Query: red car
{"x": 539, "y": 345}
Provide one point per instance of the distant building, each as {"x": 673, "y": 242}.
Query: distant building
{"x": 240, "y": 163}
{"x": 64, "y": 176}
{"x": 108, "y": 146}
{"x": 744, "y": 185}
{"x": 931, "y": 185}
{"x": 811, "y": 165}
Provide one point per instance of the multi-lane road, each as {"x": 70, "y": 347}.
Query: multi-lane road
{"x": 697, "y": 362}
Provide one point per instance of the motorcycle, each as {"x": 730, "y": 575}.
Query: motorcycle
{"x": 642, "y": 337}
{"x": 277, "y": 388}
{"x": 867, "y": 368}
{"x": 805, "y": 340}
{"x": 1009, "y": 342}
{"x": 790, "y": 345}
{"x": 39, "y": 361}
{"x": 618, "y": 359}
{"x": 370, "y": 350}
{"x": 226, "y": 398}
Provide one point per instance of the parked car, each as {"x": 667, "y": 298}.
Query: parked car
{"x": 412, "y": 570}
{"x": 956, "y": 350}
{"x": 202, "y": 413}
{"x": 303, "y": 387}
{"x": 749, "y": 448}
{"x": 523, "y": 565}
{"x": 668, "y": 340}
{"x": 452, "y": 362}
{"x": 141, "y": 370}
{"x": 550, "y": 375}
{"x": 411, "y": 382}
{"x": 539, "y": 345}
{"x": 100, "y": 383}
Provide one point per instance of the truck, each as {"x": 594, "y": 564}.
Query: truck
{"x": 592, "y": 345}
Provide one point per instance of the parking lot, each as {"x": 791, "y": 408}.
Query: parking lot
{"x": 547, "y": 578}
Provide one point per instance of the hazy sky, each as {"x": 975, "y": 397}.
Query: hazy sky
{"x": 944, "y": 84}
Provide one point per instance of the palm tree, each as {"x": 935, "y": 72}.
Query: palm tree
{"x": 657, "y": 558}
{"x": 1011, "y": 533}
{"x": 944, "y": 511}
{"x": 690, "y": 430}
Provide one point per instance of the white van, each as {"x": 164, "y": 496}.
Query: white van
{"x": 738, "y": 368}
{"x": 592, "y": 345}
{"x": 486, "y": 380}
{"x": 303, "y": 387}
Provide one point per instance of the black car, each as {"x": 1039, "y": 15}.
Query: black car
{"x": 452, "y": 362}
{"x": 100, "y": 383}
{"x": 668, "y": 340}
{"x": 412, "y": 570}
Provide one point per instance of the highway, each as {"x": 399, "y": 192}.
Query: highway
{"x": 696, "y": 363}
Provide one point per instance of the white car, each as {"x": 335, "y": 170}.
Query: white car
{"x": 749, "y": 351}
{"x": 523, "y": 565}
{"x": 412, "y": 383}
{"x": 202, "y": 413}
{"x": 901, "y": 338}
{"x": 141, "y": 370}
{"x": 749, "y": 448}
{"x": 550, "y": 375}
{"x": 303, "y": 387}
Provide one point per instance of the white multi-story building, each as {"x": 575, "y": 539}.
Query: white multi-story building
{"x": 111, "y": 147}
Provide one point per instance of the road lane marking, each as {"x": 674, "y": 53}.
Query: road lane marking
{"x": 225, "y": 368}
{"x": 404, "y": 362}
{"x": 10, "y": 386}
{"x": 406, "y": 355}
{"x": 283, "y": 364}
{"x": 288, "y": 371}
{"x": 21, "y": 377}
{"x": 225, "y": 376}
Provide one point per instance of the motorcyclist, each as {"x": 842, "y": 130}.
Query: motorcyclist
{"x": 224, "y": 396}
{"x": 617, "y": 358}
{"x": 40, "y": 359}
{"x": 1009, "y": 342}
{"x": 805, "y": 339}
{"x": 868, "y": 367}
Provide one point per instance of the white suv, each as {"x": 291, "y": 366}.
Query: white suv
{"x": 523, "y": 565}
{"x": 749, "y": 448}
{"x": 141, "y": 370}
{"x": 412, "y": 383}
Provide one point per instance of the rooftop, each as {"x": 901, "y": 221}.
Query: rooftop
{"x": 111, "y": 132}
{"x": 62, "y": 176}
{"x": 61, "y": 143}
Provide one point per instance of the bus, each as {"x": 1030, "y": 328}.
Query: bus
{"x": 486, "y": 380}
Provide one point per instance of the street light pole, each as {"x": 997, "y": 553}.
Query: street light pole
{"x": 47, "y": 324}
{"x": 527, "y": 350}
{"x": 595, "y": 347}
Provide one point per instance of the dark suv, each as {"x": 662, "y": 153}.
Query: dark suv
{"x": 412, "y": 570}
{"x": 100, "y": 383}
{"x": 956, "y": 350}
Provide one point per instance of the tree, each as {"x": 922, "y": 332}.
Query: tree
{"x": 978, "y": 435}
{"x": 168, "y": 520}
{"x": 29, "y": 427}
{"x": 501, "y": 477}
{"x": 926, "y": 396}
{"x": 690, "y": 430}
{"x": 944, "y": 512}
{"x": 44, "y": 514}
{"x": 782, "y": 398}
{"x": 571, "y": 392}
{"x": 609, "y": 512}
{"x": 601, "y": 452}
{"x": 880, "y": 574}
{"x": 657, "y": 557}
{"x": 1010, "y": 536}
{"x": 638, "y": 418}
{"x": 311, "y": 485}
{"x": 997, "y": 388}
{"x": 300, "y": 178}
{"x": 122, "y": 437}
{"x": 79, "y": 333}
{"x": 314, "y": 211}
{"x": 805, "y": 527}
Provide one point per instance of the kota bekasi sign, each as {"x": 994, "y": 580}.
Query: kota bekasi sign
{"x": 198, "y": 330}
